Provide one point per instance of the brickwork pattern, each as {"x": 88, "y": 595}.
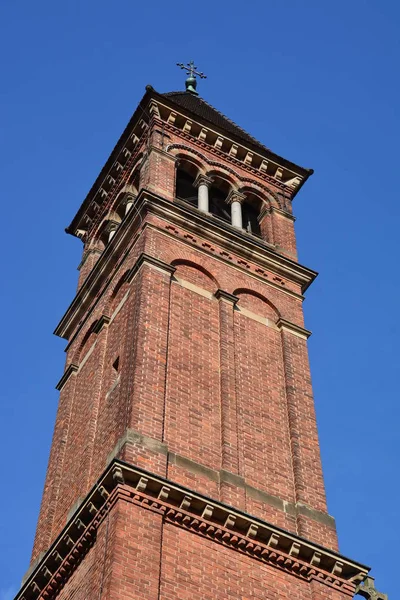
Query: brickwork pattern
{"x": 171, "y": 386}
{"x": 171, "y": 562}
{"x": 179, "y": 365}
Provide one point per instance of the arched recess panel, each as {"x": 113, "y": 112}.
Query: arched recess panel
{"x": 261, "y": 399}
{"x": 118, "y": 293}
{"x": 192, "y": 414}
{"x": 196, "y": 275}
{"x": 256, "y": 304}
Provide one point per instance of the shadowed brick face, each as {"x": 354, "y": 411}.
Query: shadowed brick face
{"x": 187, "y": 357}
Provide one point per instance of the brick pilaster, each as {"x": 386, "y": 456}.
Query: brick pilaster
{"x": 229, "y": 418}
{"x": 307, "y": 470}
{"x": 144, "y": 384}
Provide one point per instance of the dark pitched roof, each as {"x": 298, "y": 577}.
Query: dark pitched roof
{"x": 204, "y": 110}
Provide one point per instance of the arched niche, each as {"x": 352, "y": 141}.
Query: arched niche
{"x": 195, "y": 274}
{"x": 251, "y": 209}
{"x": 257, "y": 304}
{"x": 118, "y": 292}
{"x": 87, "y": 342}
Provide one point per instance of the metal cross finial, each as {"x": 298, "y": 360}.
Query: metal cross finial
{"x": 191, "y": 81}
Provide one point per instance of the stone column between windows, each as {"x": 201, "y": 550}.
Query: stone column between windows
{"x": 111, "y": 229}
{"x": 203, "y": 183}
{"x": 128, "y": 202}
{"x": 235, "y": 199}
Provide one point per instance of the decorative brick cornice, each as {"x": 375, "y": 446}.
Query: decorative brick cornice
{"x": 72, "y": 368}
{"x": 196, "y": 513}
{"x": 225, "y": 167}
{"x": 182, "y": 214}
{"x": 227, "y": 159}
{"x": 296, "y": 330}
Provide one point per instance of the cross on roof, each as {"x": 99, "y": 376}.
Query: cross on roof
{"x": 191, "y": 81}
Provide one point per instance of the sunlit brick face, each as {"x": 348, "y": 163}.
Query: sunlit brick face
{"x": 187, "y": 359}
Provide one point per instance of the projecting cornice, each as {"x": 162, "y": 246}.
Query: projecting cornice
{"x": 196, "y": 513}
{"x": 245, "y": 246}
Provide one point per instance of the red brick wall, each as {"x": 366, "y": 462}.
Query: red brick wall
{"x": 265, "y": 457}
{"x": 192, "y": 420}
{"x": 211, "y": 383}
{"x": 189, "y": 376}
{"x": 138, "y": 555}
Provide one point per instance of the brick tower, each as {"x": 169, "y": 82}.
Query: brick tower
{"x": 185, "y": 459}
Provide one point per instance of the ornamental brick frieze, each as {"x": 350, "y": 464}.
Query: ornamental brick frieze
{"x": 251, "y": 253}
{"x": 112, "y": 184}
{"x": 231, "y": 156}
{"x": 197, "y": 514}
{"x": 279, "y": 199}
{"x": 120, "y": 180}
{"x": 258, "y": 271}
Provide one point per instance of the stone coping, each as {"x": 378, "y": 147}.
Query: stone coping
{"x": 196, "y": 513}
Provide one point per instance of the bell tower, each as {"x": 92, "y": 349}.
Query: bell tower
{"x": 185, "y": 457}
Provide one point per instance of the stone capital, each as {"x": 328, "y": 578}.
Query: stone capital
{"x": 235, "y": 196}
{"x": 72, "y": 368}
{"x": 111, "y": 225}
{"x": 294, "y": 329}
{"x": 128, "y": 197}
{"x": 146, "y": 259}
{"x": 202, "y": 180}
{"x": 226, "y": 297}
{"x": 104, "y": 320}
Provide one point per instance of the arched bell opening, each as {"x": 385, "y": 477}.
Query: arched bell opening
{"x": 185, "y": 189}
{"x": 186, "y": 174}
{"x": 251, "y": 209}
{"x": 218, "y": 193}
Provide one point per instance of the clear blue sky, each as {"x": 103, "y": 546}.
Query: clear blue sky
{"x": 316, "y": 81}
